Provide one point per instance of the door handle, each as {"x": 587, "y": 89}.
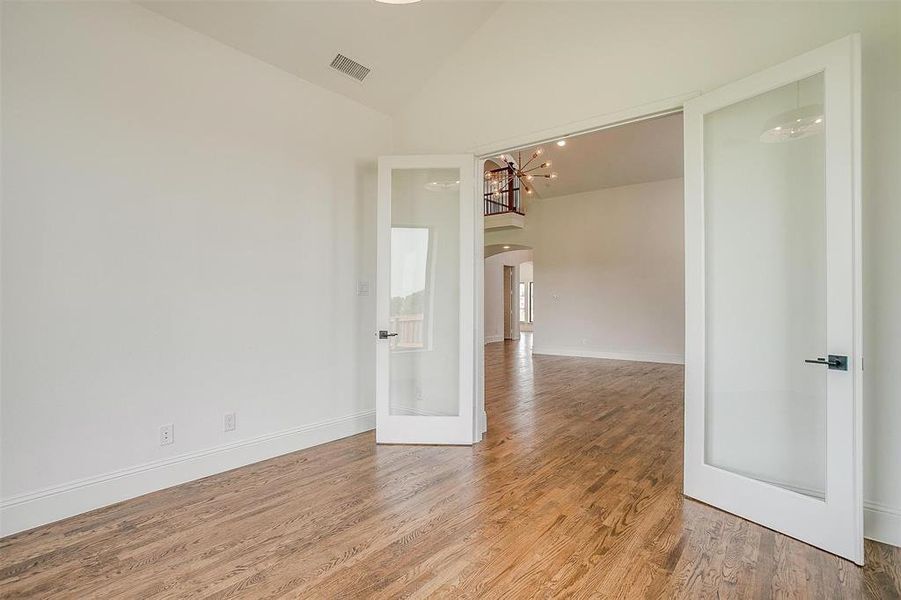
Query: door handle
{"x": 384, "y": 335}
{"x": 835, "y": 361}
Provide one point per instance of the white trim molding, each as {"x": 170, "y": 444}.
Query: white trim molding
{"x": 658, "y": 108}
{"x": 882, "y": 523}
{"x": 651, "y": 357}
{"x": 491, "y": 339}
{"x": 40, "y": 507}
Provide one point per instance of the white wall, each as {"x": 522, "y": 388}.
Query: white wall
{"x": 494, "y": 290}
{"x": 611, "y": 271}
{"x": 183, "y": 229}
{"x": 641, "y": 53}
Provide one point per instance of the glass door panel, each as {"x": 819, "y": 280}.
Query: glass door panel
{"x": 765, "y": 220}
{"x": 425, "y": 291}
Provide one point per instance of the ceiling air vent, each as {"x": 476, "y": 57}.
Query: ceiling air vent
{"x": 350, "y": 67}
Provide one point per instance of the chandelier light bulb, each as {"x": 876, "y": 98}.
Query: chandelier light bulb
{"x": 561, "y": 143}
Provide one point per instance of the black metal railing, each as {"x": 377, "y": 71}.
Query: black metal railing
{"x": 501, "y": 192}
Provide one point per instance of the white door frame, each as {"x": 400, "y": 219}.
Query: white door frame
{"x": 423, "y": 429}
{"x": 836, "y": 523}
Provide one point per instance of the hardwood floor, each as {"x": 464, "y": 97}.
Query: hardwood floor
{"x": 575, "y": 492}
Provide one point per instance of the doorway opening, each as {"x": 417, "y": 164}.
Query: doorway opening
{"x": 587, "y": 232}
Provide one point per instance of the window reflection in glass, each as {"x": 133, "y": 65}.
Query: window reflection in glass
{"x": 409, "y": 287}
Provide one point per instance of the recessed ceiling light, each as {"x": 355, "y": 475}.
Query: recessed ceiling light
{"x": 561, "y": 143}
{"x": 397, "y": 1}
{"x": 506, "y": 247}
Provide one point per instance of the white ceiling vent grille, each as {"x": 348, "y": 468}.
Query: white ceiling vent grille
{"x": 350, "y": 67}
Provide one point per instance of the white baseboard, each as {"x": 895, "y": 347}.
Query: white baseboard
{"x": 32, "y": 509}
{"x": 882, "y": 523}
{"x": 653, "y": 357}
{"x": 490, "y": 339}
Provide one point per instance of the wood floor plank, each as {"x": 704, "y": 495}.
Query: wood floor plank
{"x": 575, "y": 492}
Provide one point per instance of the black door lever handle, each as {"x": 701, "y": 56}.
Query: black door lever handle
{"x": 835, "y": 361}
{"x": 384, "y": 335}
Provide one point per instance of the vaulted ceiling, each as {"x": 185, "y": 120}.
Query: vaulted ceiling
{"x": 403, "y": 45}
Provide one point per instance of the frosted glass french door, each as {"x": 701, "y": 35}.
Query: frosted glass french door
{"x": 426, "y": 305}
{"x": 772, "y": 234}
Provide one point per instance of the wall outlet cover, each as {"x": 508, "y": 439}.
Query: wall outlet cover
{"x": 167, "y": 434}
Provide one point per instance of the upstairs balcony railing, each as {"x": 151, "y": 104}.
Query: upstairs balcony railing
{"x": 501, "y": 192}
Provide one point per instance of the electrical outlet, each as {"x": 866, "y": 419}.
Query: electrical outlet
{"x": 167, "y": 434}
{"x": 229, "y": 422}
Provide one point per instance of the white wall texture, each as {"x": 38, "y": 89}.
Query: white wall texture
{"x": 183, "y": 229}
{"x": 610, "y": 263}
{"x": 601, "y": 58}
{"x": 494, "y": 290}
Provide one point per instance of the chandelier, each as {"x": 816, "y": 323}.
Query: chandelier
{"x": 504, "y": 180}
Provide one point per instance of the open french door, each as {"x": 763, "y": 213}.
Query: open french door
{"x": 426, "y": 303}
{"x": 773, "y": 371}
